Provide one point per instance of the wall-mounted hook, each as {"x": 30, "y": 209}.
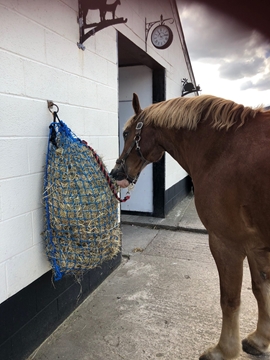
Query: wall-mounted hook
{"x": 51, "y": 104}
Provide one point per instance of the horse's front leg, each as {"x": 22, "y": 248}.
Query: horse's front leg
{"x": 257, "y": 343}
{"x": 229, "y": 262}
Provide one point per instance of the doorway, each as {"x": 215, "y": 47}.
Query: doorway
{"x": 136, "y": 79}
{"x": 140, "y": 73}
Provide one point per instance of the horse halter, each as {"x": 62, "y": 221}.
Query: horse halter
{"x": 135, "y": 143}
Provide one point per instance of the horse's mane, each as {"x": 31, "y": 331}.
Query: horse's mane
{"x": 188, "y": 112}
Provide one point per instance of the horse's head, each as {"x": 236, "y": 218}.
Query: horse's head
{"x": 140, "y": 148}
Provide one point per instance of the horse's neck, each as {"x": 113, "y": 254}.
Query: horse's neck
{"x": 172, "y": 142}
{"x": 188, "y": 147}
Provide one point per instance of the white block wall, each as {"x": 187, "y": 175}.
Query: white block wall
{"x": 40, "y": 61}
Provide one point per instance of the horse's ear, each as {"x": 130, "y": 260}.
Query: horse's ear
{"x": 136, "y": 104}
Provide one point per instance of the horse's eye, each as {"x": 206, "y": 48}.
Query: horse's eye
{"x": 125, "y": 134}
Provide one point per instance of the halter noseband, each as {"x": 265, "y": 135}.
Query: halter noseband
{"x": 136, "y": 143}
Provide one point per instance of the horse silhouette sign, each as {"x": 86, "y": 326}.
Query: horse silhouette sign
{"x": 100, "y": 6}
{"x": 188, "y": 87}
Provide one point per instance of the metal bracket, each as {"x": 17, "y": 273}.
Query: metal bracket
{"x": 103, "y": 7}
{"x": 188, "y": 87}
{"x": 149, "y": 25}
{"x": 95, "y": 28}
{"x": 50, "y": 105}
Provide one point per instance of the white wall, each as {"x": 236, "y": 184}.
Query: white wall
{"x": 40, "y": 60}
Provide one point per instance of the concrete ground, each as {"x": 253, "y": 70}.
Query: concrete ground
{"x": 162, "y": 301}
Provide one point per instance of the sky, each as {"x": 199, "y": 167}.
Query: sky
{"x": 228, "y": 60}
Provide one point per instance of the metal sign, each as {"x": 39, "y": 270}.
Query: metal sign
{"x": 188, "y": 87}
{"x": 96, "y": 5}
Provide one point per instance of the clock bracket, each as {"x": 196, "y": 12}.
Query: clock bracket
{"x": 149, "y": 25}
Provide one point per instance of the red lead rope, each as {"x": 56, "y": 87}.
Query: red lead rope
{"x": 105, "y": 173}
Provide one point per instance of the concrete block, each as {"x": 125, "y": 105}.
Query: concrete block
{"x": 112, "y": 75}
{"x": 107, "y": 98}
{"x": 3, "y": 283}
{"x": 38, "y": 225}
{"x": 11, "y": 69}
{"x": 73, "y": 116}
{"x": 124, "y": 11}
{"x": 82, "y": 92}
{"x": 20, "y": 195}
{"x": 113, "y": 123}
{"x": 44, "y": 82}
{"x": 22, "y": 36}
{"x": 108, "y": 147}
{"x": 106, "y": 47}
{"x": 98, "y": 122}
{"x": 24, "y": 116}
{"x": 62, "y": 53}
{"x": 26, "y": 267}
{"x": 72, "y": 4}
{"x": 94, "y": 67}
{"x": 46, "y": 13}
{"x": 13, "y": 157}
{"x": 12, "y": 4}
{"x": 110, "y": 33}
{"x": 95, "y": 122}
{"x": 110, "y": 164}
{"x": 93, "y": 141}
{"x": 37, "y": 151}
{"x": 137, "y": 22}
{"x": 16, "y": 236}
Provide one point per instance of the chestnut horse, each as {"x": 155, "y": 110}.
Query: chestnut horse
{"x": 225, "y": 148}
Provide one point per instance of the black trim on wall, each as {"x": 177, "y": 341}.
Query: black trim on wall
{"x": 159, "y": 91}
{"x": 159, "y": 188}
{"x": 177, "y": 193}
{"x": 31, "y": 315}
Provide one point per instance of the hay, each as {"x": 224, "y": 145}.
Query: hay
{"x": 81, "y": 228}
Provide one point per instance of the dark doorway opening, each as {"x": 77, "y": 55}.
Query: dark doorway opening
{"x": 130, "y": 54}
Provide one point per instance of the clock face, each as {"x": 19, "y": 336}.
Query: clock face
{"x": 162, "y": 37}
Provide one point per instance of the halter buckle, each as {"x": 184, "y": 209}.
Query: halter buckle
{"x": 139, "y": 125}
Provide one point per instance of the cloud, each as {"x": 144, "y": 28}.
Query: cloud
{"x": 239, "y": 69}
{"x": 214, "y": 38}
{"x": 261, "y": 85}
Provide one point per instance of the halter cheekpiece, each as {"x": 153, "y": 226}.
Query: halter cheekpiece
{"x": 135, "y": 143}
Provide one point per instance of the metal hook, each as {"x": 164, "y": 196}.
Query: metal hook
{"x": 51, "y": 104}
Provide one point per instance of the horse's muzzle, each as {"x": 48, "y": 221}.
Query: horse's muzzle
{"x": 118, "y": 174}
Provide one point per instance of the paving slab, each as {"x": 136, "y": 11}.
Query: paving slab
{"x": 161, "y": 303}
{"x": 182, "y": 217}
{"x": 136, "y": 238}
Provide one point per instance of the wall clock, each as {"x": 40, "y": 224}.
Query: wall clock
{"x": 162, "y": 37}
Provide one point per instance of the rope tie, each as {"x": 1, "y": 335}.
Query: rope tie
{"x": 106, "y": 175}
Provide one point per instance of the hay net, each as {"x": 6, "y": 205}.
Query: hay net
{"x": 81, "y": 214}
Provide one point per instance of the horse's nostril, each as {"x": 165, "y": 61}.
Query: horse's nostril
{"x": 118, "y": 175}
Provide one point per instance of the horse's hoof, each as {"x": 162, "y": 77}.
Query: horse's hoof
{"x": 250, "y": 349}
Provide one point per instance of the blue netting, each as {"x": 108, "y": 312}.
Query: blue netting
{"x": 81, "y": 214}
